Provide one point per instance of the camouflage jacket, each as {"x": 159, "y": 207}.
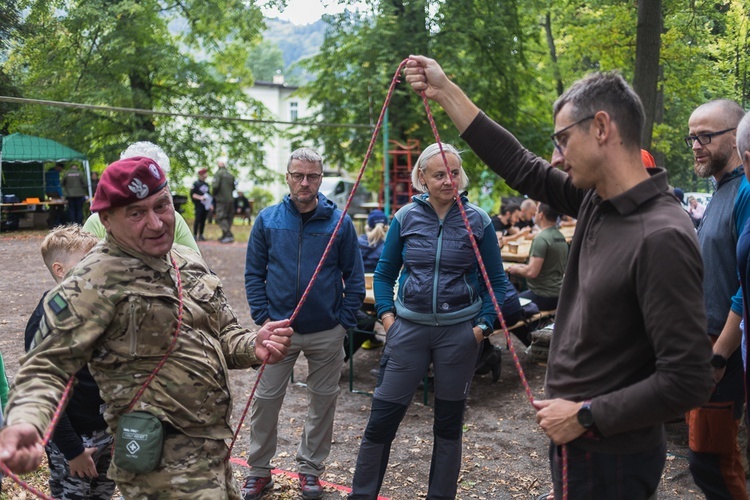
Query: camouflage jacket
{"x": 74, "y": 184}
{"x": 117, "y": 310}
{"x": 223, "y": 186}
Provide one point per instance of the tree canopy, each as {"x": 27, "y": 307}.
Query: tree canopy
{"x": 182, "y": 57}
{"x": 512, "y": 57}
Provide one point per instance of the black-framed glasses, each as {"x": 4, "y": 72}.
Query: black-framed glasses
{"x": 311, "y": 178}
{"x": 704, "y": 139}
{"x": 554, "y": 136}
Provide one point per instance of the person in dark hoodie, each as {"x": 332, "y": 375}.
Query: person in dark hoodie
{"x": 285, "y": 246}
{"x": 81, "y": 449}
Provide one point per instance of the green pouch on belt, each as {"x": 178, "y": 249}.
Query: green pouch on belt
{"x": 138, "y": 442}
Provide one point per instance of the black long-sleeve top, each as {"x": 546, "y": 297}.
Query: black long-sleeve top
{"x": 84, "y": 413}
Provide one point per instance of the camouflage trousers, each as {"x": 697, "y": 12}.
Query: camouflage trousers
{"x": 63, "y": 486}
{"x": 191, "y": 468}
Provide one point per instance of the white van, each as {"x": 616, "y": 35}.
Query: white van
{"x": 337, "y": 190}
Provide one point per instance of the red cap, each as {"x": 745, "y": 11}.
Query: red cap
{"x": 202, "y": 171}
{"x": 647, "y": 159}
{"x": 127, "y": 181}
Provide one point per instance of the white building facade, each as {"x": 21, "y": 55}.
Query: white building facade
{"x": 278, "y": 99}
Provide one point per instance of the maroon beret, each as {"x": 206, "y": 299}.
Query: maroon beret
{"x": 127, "y": 181}
{"x": 202, "y": 171}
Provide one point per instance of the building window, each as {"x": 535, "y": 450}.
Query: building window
{"x": 293, "y": 111}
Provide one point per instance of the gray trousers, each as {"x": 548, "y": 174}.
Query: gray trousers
{"x": 409, "y": 349}
{"x": 325, "y": 354}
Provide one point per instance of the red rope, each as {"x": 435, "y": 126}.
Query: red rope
{"x": 488, "y": 284}
{"x": 68, "y": 389}
{"x": 244, "y": 412}
{"x": 323, "y": 258}
{"x": 171, "y": 347}
{"x": 45, "y": 439}
{"x": 331, "y": 241}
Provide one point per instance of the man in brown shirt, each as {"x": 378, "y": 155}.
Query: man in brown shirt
{"x": 629, "y": 349}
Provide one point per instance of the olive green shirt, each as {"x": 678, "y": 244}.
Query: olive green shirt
{"x": 223, "y": 186}
{"x": 551, "y": 246}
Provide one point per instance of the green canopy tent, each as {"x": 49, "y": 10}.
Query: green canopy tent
{"x": 22, "y": 160}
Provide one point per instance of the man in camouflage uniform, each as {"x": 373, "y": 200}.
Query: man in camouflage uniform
{"x": 118, "y": 311}
{"x": 75, "y": 189}
{"x": 223, "y": 189}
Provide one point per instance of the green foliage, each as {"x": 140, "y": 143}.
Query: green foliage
{"x": 9, "y": 26}
{"x": 177, "y": 57}
{"x": 261, "y": 198}
{"x": 499, "y": 53}
{"x": 264, "y": 60}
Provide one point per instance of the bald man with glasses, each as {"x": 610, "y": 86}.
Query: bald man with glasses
{"x": 714, "y": 456}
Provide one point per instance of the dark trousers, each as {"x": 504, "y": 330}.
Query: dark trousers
{"x": 200, "y": 219}
{"x": 365, "y": 330}
{"x": 544, "y": 303}
{"x": 594, "y": 475}
{"x": 75, "y": 209}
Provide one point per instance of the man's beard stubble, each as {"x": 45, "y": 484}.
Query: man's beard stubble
{"x": 715, "y": 165}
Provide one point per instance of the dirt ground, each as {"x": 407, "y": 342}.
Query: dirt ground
{"x": 505, "y": 453}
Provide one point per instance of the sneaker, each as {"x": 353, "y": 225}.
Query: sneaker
{"x": 372, "y": 344}
{"x": 255, "y": 486}
{"x": 201, "y": 238}
{"x": 310, "y": 486}
{"x": 227, "y": 239}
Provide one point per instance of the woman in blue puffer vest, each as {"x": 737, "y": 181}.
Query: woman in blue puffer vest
{"x": 440, "y": 315}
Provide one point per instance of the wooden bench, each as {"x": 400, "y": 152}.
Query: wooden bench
{"x": 541, "y": 315}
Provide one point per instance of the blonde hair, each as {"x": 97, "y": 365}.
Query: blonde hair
{"x": 376, "y": 234}
{"x": 427, "y": 154}
{"x": 63, "y": 241}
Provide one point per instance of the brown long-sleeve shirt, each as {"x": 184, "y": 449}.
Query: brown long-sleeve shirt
{"x": 630, "y": 326}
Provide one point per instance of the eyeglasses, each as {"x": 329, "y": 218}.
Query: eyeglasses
{"x": 561, "y": 147}
{"x": 704, "y": 139}
{"x": 311, "y": 178}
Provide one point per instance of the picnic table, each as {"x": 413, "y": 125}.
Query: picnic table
{"x": 568, "y": 231}
{"x": 516, "y": 251}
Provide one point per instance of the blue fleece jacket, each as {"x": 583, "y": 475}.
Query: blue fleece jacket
{"x": 718, "y": 233}
{"x": 282, "y": 254}
{"x": 440, "y": 283}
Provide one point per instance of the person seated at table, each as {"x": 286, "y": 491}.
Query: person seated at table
{"x": 243, "y": 208}
{"x": 547, "y": 260}
{"x": 505, "y": 223}
{"x": 567, "y": 221}
{"x": 371, "y": 246}
{"x": 526, "y": 222}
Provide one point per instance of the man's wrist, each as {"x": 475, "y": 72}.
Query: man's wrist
{"x": 718, "y": 361}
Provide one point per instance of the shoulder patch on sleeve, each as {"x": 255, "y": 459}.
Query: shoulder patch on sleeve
{"x": 59, "y": 305}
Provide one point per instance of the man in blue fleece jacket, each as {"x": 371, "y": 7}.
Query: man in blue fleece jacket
{"x": 284, "y": 249}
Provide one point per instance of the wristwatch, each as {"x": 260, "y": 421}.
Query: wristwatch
{"x": 486, "y": 330}
{"x": 585, "y": 417}
{"x": 718, "y": 361}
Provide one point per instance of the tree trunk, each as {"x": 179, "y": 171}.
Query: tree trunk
{"x": 553, "y": 52}
{"x": 647, "y": 51}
